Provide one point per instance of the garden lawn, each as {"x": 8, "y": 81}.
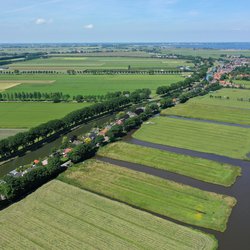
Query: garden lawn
{"x": 30, "y": 114}
{"x": 195, "y": 135}
{"x": 88, "y": 84}
{"x": 177, "y": 201}
{"x": 197, "y": 168}
{"x": 67, "y": 217}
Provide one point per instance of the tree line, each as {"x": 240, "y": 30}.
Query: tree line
{"x": 24, "y": 140}
{"x": 34, "y": 96}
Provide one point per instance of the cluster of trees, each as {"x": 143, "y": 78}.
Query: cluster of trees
{"x": 82, "y": 152}
{"x": 34, "y": 96}
{"x": 199, "y": 91}
{"x": 135, "y": 96}
{"x": 179, "y": 86}
{"x": 13, "y": 187}
{"x": 24, "y": 140}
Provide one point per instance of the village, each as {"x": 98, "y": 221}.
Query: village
{"x": 98, "y": 136}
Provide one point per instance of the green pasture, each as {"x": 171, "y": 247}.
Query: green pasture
{"x": 197, "y": 168}
{"x": 232, "y": 107}
{"x": 30, "y": 114}
{"x": 88, "y": 84}
{"x": 195, "y": 135}
{"x": 82, "y": 63}
{"x": 67, "y": 217}
{"x": 178, "y": 201}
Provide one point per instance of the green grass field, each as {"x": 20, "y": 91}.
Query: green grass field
{"x": 89, "y": 84}
{"x": 226, "y": 110}
{"x": 178, "y": 201}
{"x": 82, "y": 63}
{"x": 30, "y": 114}
{"x": 200, "y": 136}
{"x": 61, "y": 216}
{"x": 197, "y": 168}
{"x": 243, "y": 82}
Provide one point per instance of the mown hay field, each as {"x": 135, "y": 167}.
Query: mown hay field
{"x": 89, "y": 84}
{"x": 233, "y": 106}
{"x": 195, "y": 135}
{"x": 61, "y": 216}
{"x": 177, "y": 201}
{"x": 197, "y": 168}
{"x": 30, "y": 114}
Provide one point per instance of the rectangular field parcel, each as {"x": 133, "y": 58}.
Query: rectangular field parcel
{"x": 195, "y": 135}
{"x": 88, "y": 84}
{"x": 82, "y": 63}
{"x": 201, "y": 169}
{"x": 30, "y": 114}
{"x": 226, "y": 105}
{"x": 180, "y": 202}
{"x": 67, "y": 217}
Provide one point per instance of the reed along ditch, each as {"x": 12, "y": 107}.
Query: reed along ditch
{"x": 236, "y": 235}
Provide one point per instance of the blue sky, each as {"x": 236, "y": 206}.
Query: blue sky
{"x": 125, "y": 21}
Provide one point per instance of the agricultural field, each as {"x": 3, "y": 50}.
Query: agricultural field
{"x": 215, "y": 53}
{"x": 195, "y": 135}
{"x": 226, "y": 105}
{"x": 82, "y": 63}
{"x": 177, "y": 201}
{"x": 197, "y": 168}
{"x": 87, "y": 84}
{"x": 4, "y": 133}
{"x": 67, "y": 217}
{"x": 29, "y": 114}
{"x": 243, "y": 82}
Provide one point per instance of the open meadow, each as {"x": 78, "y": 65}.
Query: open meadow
{"x": 67, "y": 217}
{"x": 82, "y": 63}
{"x": 87, "y": 84}
{"x": 195, "y": 135}
{"x": 177, "y": 201}
{"x": 31, "y": 114}
{"x": 197, "y": 168}
{"x": 226, "y": 105}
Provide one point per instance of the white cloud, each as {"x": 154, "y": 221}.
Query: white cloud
{"x": 89, "y": 26}
{"x": 40, "y": 21}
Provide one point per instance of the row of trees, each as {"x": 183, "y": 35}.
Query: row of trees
{"x": 14, "y": 187}
{"x": 34, "y": 96}
{"x": 23, "y": 140}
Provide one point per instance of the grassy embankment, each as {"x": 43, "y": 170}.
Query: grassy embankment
{"x": 67, "y": 217}
{"x": 225, "y": 110}
{"x": 87, "y": 84}
{"x": 197, "y": 168}
{"x": 200, "y": 136}
{"x": 177, "y": 201}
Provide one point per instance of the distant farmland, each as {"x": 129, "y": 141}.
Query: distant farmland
{"x": 226, "y": 105}
{"x": 177, "y": 201}
{"x": 30, "y": 114}
{"x": 205, "y": 137}
{"x": 82, "y": 63}
{"x": 67, "y": 217}
{"x": 88, "y": 84}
